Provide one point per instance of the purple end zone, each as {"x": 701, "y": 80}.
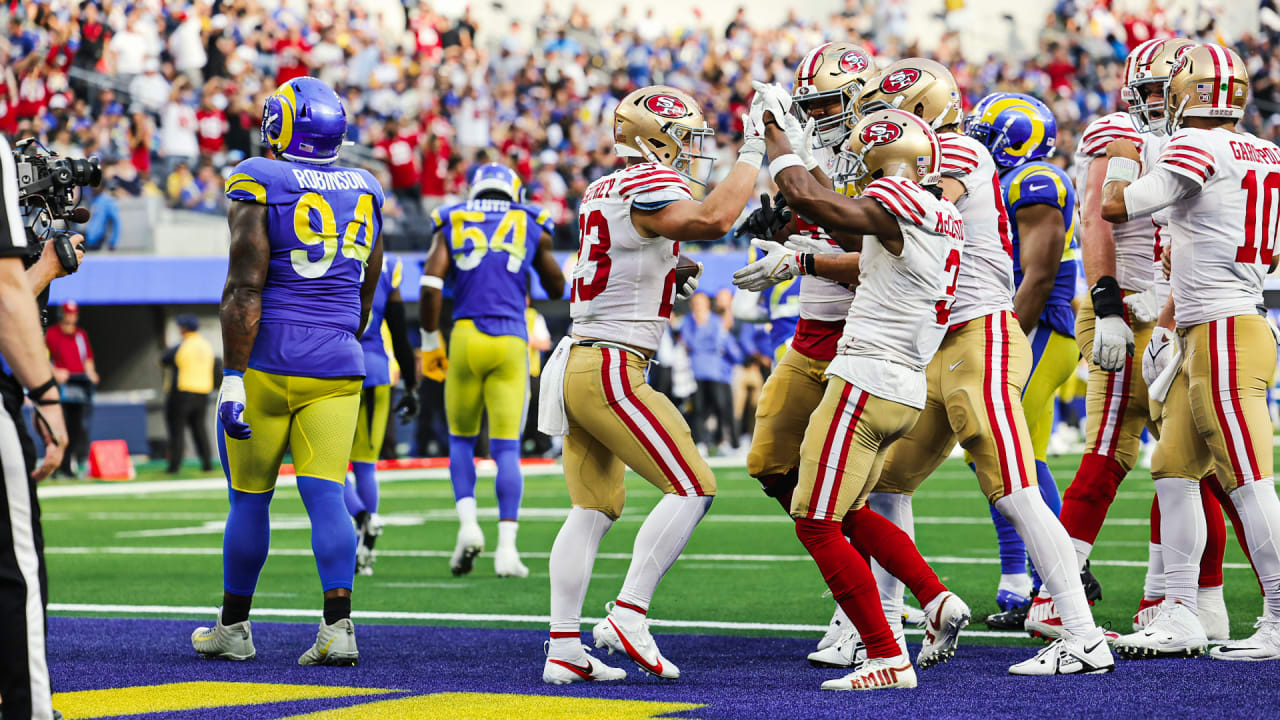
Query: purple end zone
{"x": 736, "y": 678}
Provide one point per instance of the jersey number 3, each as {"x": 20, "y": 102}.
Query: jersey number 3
{"x": 1260, "y": 217}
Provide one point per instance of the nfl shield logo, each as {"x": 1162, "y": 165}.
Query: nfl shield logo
{"x": 1204, "y": 91}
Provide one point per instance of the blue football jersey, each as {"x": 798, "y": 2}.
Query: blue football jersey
{"x": 1046, "y": 184}
{"x": 322, "y": 221}
{"x": 377, "y": 366}
{"x": 782, "y": 303}
{"x": 492, "y": 243}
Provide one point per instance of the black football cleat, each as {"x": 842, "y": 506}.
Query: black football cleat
{"x": 1092, "y": 588}
{"x": 1012, "y": 619}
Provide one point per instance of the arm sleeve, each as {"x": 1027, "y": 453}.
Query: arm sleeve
{"x": 400, "y": 343}
{"x": 1158, "y": 189}
{"x": 13, "y": 236}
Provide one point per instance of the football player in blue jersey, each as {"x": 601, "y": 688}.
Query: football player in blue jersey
{"x": 297, "y": 297}
{"x": 1020, "y": 131}
{"x": 375, "y": 401}
{"x": 486, "y": 246}
{"x": 779, "y": 306}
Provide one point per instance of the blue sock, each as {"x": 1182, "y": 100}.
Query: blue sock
{"x": 1012, "y": 550}
{"x": 367, "y": 484}
{"x": 462, "y": 465}
{"x": 355, "y": 505}
{"x": 333, "y": 539}
{"x": 245, "y": 541}
{"x": 509, "y": 485}
{"x": 1048, "y": 487}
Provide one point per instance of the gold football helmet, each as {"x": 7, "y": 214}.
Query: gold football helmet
{"x": 1207, "y": 81}
{"x": 664, "y": 125}
{"x": 917, "y": 85}
{"x": 889, "y": 142}
{"x": 829, "y": 73}
{"x": 1146, "y": 70}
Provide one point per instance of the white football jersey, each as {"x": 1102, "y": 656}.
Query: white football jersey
{"x": 820, "y": 299}
{"x": 624, "y": 285}
{"x": 1135, "y": 240}
{"x": 986, "y": 277}
{"x": 900, "y": 314}
{"x": 1224, "y": 235}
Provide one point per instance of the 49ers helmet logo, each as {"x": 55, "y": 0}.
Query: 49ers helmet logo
{"x": 667, "y": 106}
{"x": 853, "y": 62}
{"x": 880, "y": 133}
{"x": 900, "y": 80}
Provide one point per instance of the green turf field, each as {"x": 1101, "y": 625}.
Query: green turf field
{"x": 744, "y": 564}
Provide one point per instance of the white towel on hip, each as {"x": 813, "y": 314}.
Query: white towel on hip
{"x": 552, "y": 418}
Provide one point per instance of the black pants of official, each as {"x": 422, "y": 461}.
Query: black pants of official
{"x": 77, "y": 417}
{"x": 24, "y": 587}
{"x": 714, "y": 399}
{"x": 186, "y": 411}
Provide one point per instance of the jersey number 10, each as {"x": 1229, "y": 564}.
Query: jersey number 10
{"x": 1260, "y": 217}
{"x": 327, "y": 236}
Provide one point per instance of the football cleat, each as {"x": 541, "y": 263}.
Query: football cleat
{"x": 1068, "y": 655}
{"x": 946, "y": 615}
{"x": 584, "y": 668}
{"x": 1212, "y": 610}
{"x": 877, "y": 674}
{"x": 506, "y": 563}
{"x": 1013, "y": 590}
{"x": 335, "y": 645}
{"x": 1092, "y": 588}
{"x": 1262, "y": 645}
{"x": 847, "y": 651}
{"x": 636, "y": 643}
{"x": 1015, "y": 618}
{"x": 835, "y": 629}
{"x": 913, "y": 616}
{"x": 469, "y": 546}
{"x": 226, "y": 642}
{"x": 1175, "y": 632}
{"x": 1043, "y": 620}
{"x": 1147, "y": 611}
{"x": 1008, "y": 599}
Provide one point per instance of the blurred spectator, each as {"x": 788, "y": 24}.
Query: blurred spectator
{"x": 713, "y": 352}
{"x": 73, "y": 368}
{"x": 191, "y": 363}
{"x": 104, "y": 217}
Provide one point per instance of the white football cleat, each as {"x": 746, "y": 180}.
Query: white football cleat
{"x": 835, "y": 629}
{"x": 1176, "y": 632}
{"x": 635, "y": 642}
{"x": 1043, "y": 619}
{"x": 1212, "y": 609}
{"x": 945, "y": 616}
{"x": 469, "y": 546}
{"x": 1068, "y": 655}
{"x": 913, "y": 616}
{"x": 506, "y": 563}
{"x": 1262, "y": 645}
{"x": 227, "y": 642}
{"x": 335, "y": 645}
{"x": 1148, "y": 610}
{"x": 877, "y": 674}
{"x": 848, "y": 651}
{"x": 584, "y": 668}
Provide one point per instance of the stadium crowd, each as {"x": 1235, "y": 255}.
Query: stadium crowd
{"x": 169, "y": 94}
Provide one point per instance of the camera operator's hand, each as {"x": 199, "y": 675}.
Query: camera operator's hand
{"x": 49, "y": 268}
{"x": 53, "y": 430}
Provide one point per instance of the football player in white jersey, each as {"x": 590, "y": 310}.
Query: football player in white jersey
{"x": 593, "y": 386}
{"x": 910, "y": 240}
{"x": 1222, "y": 190}
{"x": 977, "y": 377}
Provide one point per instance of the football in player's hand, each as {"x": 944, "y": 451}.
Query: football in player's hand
{"x": 685, "y": 269}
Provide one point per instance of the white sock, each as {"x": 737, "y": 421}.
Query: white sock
{"x": 507, "y": 533}
{"x": 1259, "y": 510}
{"x": 661, "y": 539}
{"x": 466, "y": 510}
{"x": 1183, "y": 533}
{"x": 1082, "y": 549}
{"x": 1050, "y": 549}
{"x": 572, "y": 556}
{"x": 896, "y": 508}
{"x": 1153, "y": 586}
{"x": 1016, "y": 582}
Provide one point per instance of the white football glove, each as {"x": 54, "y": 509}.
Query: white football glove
{"x": 1158, "y": 362}
{"x": 777, "y": 265}
{"x": 1144, "y": 305}
{"x": 690, "y": 285}
{"x": 772, "y": 99}
{"x": 752, "y": 150}
{"x": 1112, "y": 343}
{"x": 803, "y": 145}
{"x": 809, "y": 244}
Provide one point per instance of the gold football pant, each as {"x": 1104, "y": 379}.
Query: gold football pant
{"x": 1115, "y": 403}
{"x": 789, "y": 397}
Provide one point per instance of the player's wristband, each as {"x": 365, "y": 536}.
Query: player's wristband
{"x": 37, "y": 393}
{"x": 1107, "y": 298}
{"x": 754, "y": 158}
{"x": 806, "y": 264}
{"x": 430, "y": 340}
{"x": 1121, "y": 169}
{"x": 783, "y": 162}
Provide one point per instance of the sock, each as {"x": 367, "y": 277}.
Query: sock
{"x": 1182, "y": 537}
{"x": 367, "y": 484}
{"x": 1050, "y": 549}
{"x": 851, "y": 583}
{"x": 1237, "y": 525}
{"x": 1048, "y": 487}
{"x": 890, "y": 507}
{"x": 894, "y": 550}
{"x": 246, "y": 539}
{"x": 333, "y": 539}
{"x": 1215, "y": 546}
{"x": 1259, "y": 510}
{"x": 1013, "y": 552}
{"x": 659, "y": 542}
{"x": 572, "y": 555}
{"x": 509, "y": 485}
{"x": 467, "y": 511}
{"x": 235, "y": 608}
{"x": 462, "y": 465}
{"x": 1085, "y": 504}
{"x": 507, "y": 533}
{"x": 351, "y": 498}
{"x": 336, "y": 608}
{"x": 1153, "y": 584}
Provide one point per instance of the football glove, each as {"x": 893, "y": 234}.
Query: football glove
{"x": 771, "y": 99}
{"x": 690, "y": 285}
{"x": 1112, "y": 342}
{"x": 778, "y": 264}
{"x": 407, "y": 408}
{"x": 809, "y": 244}
{"x": 805, "y": 148}
{"x": 231, "y": 403}
{"x": 435, "y": 361}
{"x": 765, "y": 221}
{"x": 1144, "y": 306}
{"x": 752, "y": 150}
{"x": 1162, "y": 351}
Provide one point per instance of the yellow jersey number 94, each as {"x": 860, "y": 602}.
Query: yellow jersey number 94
{"x": 353, "y": 247}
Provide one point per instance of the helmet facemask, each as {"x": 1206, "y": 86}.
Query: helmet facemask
{"x": 692, "y": 162}
{"x": 1148, "y": 114}
{"x": 833, "y": 127}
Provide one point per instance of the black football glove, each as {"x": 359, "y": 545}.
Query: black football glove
{"x": 407, "y": 408}
{"x": 765, "y": 221}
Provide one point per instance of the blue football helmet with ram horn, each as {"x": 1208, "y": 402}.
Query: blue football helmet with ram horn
{"x": 1016, "y": 128}
{"x": 496, "y": 177}
{"x": 304, "y": 121}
